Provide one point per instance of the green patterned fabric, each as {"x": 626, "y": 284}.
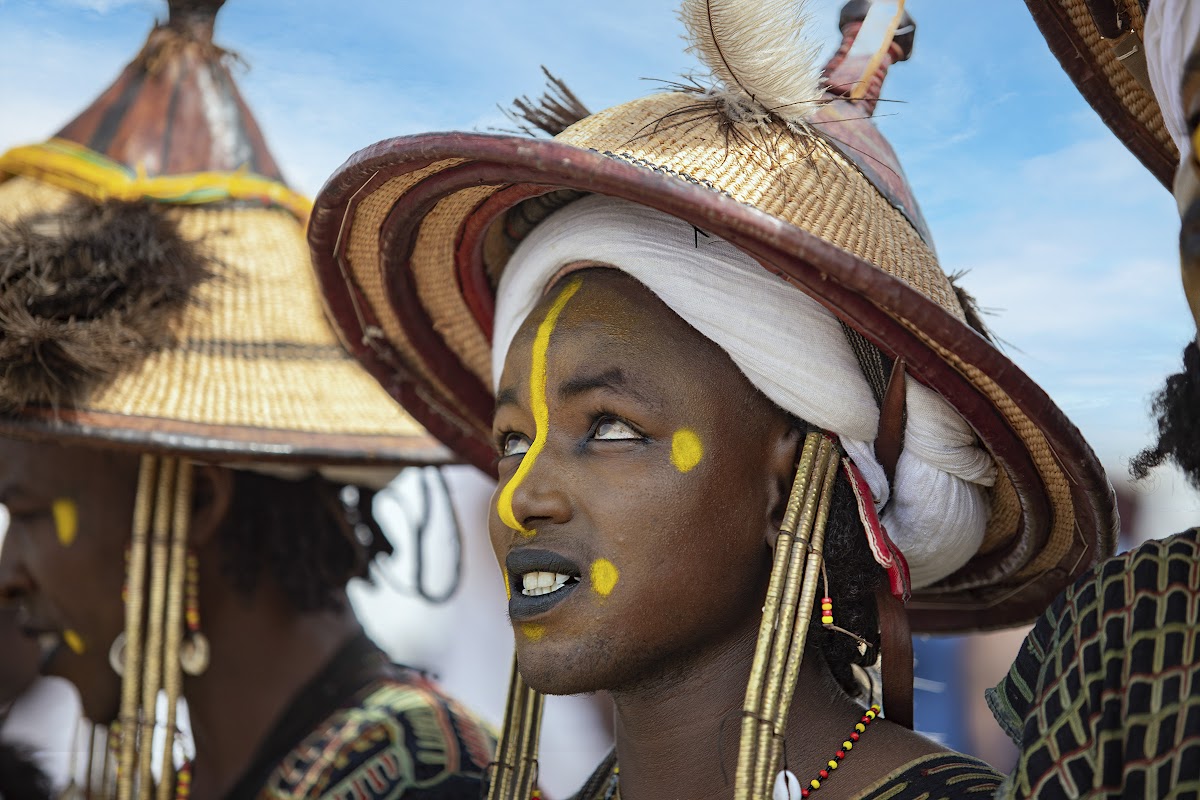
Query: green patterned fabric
{"x": 1104, "y": 697}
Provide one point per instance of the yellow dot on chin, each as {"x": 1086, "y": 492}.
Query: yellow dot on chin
{"x": 74, "y": 641}
{"x": 66, "y": 520}
{"x": 686, "y": 450}
{"x": 532, "y": 631}
{"x": 604, "y": 576}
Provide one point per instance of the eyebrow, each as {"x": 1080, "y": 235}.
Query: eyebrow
{"x": 506, "y": 397}
{"x": 612, "y": 380}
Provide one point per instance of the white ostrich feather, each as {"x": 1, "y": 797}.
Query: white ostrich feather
{"x": 760, "y": 57}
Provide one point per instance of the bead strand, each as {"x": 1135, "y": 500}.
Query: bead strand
{"x": 860, "y": 728}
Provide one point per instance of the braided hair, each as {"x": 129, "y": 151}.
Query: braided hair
{"x": 853, "y": 577}
{"x": 309, "y": 537}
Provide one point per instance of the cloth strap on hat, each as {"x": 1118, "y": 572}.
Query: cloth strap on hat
{"x": 789, "y": 346}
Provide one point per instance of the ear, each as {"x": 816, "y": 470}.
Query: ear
{"x": 783, "y": 451}
{"x": 212, "y": 496}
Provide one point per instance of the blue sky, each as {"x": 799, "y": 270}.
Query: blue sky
{"x": 1065, "y": 237}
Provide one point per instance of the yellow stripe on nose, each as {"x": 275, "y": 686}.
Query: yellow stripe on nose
{"x": 541, "y": 412}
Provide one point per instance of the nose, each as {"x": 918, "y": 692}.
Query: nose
{"x": 14, "y": 581}
{"x": 536, "y": 495}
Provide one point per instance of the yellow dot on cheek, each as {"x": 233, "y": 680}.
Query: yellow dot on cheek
{"x": 533, "y": 632}
{"x": 604, "y": 576}
{"x": 686, "y": 450}
{"x": 74, "y": 641}
{"x": 66, "y": 520}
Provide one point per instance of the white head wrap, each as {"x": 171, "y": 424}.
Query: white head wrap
{"x": 1172, "y": 28}
{"x": 787, "y": 345}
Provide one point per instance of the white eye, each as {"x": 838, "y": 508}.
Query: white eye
{"x": 611, "y": 429}
{"x": 515, "y": 444}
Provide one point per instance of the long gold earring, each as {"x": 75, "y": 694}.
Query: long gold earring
{"x": 795, "y": 573}
{"x": 513, "y": 775}
{"x": 194, "y": 652}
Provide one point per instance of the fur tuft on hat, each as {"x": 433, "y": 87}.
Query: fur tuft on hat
{"x": 86, "y": 293}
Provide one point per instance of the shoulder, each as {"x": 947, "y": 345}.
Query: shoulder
{"x": 1114, "y": 659}
{"x": 401, "y": 738}
{"x": 936, "y": 776}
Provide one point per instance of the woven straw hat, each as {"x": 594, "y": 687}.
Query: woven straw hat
{"x": 410, "y": 236}
{"x": 1098, "y": 43}
{"x": 249, "y": 368}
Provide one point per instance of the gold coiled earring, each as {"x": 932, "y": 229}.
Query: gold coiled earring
{"x": 513, "y": 775}
{"x": 779, "y": 651}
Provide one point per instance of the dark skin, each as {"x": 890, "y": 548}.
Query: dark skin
{"x": 674, "y": 639}
{"x": 263, "y": 651}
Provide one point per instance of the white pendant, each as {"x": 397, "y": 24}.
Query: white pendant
{"x": 787, "y": 787}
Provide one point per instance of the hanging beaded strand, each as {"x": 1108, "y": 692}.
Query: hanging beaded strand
{"x": 860, "y": 728}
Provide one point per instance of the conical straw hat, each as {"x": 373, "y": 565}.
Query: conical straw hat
{"x": 410, "y": 236}
{"x": 1098, "y": 43}
{"x": 250, "y": 368}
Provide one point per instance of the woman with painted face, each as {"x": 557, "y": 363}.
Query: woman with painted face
{"x": 738, "y": 414}
{"x": 189, "y": 458}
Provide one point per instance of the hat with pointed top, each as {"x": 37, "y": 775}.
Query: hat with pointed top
{"x": 155, "y": 290}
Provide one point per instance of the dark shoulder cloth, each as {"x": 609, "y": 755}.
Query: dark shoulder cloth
{"x": 365, "y": 728}
{"x": 1104, "y": 697}
{"x": 939, "y": 776}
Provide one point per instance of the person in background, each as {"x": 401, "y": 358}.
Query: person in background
{"x": 189, "y": 458}
{"x": 1103, "y": 699}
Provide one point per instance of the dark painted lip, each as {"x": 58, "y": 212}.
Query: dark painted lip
{"x": 522, "y": 560}
{"x": 49, "y": 641}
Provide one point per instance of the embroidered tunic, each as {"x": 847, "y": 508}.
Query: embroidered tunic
{"x": 367, "y": 729}
{"x": 1104, "y": 697}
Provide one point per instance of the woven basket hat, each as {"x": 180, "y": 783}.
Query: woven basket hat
{"x": 410, "y": 236}
{"x": 1099, "y": 44}
{"x": 248, "y": 368}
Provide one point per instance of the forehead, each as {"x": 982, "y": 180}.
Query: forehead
{"x": 613, "y": 314}
{"x": 47, "y": 466}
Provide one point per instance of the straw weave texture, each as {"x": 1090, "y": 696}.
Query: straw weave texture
{"x": 254, "y": 349}
{"x": 800, "y": 180}
{"x": 1140, "y": 102}
{"x": 805, "y": 182}
{"x": 362, "y": 255}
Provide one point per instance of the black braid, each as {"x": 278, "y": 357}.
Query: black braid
{"x": 1176, "y": 408}
{"x": 309, "y": 537}
{"x": 853, "y": 577}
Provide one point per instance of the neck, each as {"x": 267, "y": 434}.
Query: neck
{"x": 679, "y": 737}
{"x": 263, "y": 653}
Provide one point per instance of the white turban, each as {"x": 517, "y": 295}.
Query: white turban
{"x": 787, "y": 345}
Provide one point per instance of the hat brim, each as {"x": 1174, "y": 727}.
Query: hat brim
{"x": 400, "y": 187}
{"x": 1127, "y": 108}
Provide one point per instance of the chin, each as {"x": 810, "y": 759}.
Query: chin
{"x": 98, "y": 686}
{"x": 570, "y": 667}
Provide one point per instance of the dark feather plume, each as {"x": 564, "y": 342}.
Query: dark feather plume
{"x": 86, "y": 293}
{"x": 556, "y": 110}
{"x": 970, "y": 307}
